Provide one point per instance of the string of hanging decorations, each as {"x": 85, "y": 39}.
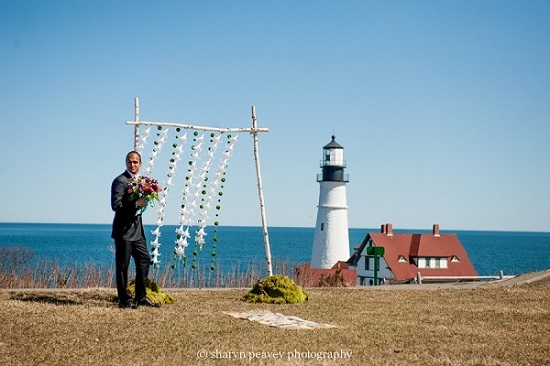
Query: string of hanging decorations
{"x": 206, "y": 154}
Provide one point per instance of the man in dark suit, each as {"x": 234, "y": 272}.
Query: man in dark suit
{"x": 129, "y": 236}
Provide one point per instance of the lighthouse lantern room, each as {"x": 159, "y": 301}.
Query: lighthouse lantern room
{"x": 331, "y": 239}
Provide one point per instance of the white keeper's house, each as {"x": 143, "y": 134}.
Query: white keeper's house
{"x": 389, "y": 257}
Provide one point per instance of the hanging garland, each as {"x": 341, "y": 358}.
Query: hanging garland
{"x": 217, "y": 186}
{"x": 188, "y": 203}
{"x": 157, "y": 148}
{"x": 207, "y": 196}
{"x": 142, "y": 140}
{"x": 202, "y": 191}
{"x": 184, "y": 220}
{"x": 200, "y": 184}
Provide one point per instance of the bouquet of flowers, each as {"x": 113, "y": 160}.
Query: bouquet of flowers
{"x": 146, "y": 188}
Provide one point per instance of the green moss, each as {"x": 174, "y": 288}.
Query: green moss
{"x": 277, "y": 289}
{"x": 153, "y": 291}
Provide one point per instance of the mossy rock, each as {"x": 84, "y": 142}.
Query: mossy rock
{"x": 277, "y": 289}
{"x": 153, "y": 292}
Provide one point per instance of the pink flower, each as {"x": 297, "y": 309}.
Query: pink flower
{"x": 144, "y": 187}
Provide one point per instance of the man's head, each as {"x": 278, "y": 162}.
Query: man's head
{"x": 133, "y": 162}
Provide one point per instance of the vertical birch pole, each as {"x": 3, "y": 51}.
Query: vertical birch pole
{"x": 261, "y": 194}
{"x": 136, "y": 118}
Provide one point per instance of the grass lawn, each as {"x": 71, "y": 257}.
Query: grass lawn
{"x": 387, "y": 325}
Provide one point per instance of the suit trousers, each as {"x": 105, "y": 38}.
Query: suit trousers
{"x": 137, "y": 250}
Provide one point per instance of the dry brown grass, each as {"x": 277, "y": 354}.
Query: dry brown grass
{"x": 20, "y": 268}
{"x": 391, "y": 325}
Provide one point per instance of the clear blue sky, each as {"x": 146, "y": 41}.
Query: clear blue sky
{"x": 443, "y": 107}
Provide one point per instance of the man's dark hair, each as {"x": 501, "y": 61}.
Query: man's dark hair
{"x": 132, "y": 153}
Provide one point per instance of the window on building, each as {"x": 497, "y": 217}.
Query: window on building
{"x": 432, "y": 262}
{"x": 322, "y": 226}
{"x": 367, "y": 263}
{"x": 455, "y": 259}
{"x": 402, "y": 259}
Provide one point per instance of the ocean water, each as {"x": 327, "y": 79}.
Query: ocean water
{"x": 238, "y": 247}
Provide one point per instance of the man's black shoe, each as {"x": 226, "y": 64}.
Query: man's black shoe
{"x": 146, "y": 302}
{"x": 126, "y": 304}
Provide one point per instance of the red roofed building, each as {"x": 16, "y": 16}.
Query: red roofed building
{"x": 340, "y": 275}
{"x": 436, "y": 257}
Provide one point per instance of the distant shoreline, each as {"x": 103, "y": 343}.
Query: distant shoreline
{"x": 373, "y": 229}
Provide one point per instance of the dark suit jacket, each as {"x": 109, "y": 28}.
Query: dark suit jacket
{"x": 126, "y": 224}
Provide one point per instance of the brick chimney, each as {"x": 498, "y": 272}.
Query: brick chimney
{"x": 389, "y": 230}
{"x": 383, "y": 228}
{"x": 436, "y": 230}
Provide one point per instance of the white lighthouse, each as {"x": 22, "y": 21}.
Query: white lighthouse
{"x": 331, "y": 239}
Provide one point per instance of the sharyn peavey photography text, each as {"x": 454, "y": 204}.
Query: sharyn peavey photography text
{"x": 274, "y": 355}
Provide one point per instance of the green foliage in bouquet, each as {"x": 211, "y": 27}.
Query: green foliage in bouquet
{"x": 277, "y": 289}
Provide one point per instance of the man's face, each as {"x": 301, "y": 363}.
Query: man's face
{"x": 133, "y": 163}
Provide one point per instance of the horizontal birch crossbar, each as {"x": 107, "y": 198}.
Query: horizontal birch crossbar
{"x": 195, "y": 127}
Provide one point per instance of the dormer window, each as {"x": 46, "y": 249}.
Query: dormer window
{"x": 402, "y": 259}
{"x": 432, "y": 262}
{"x": 454, "y": 259}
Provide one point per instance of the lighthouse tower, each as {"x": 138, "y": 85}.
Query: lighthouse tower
{"x": 331, "y": 240}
